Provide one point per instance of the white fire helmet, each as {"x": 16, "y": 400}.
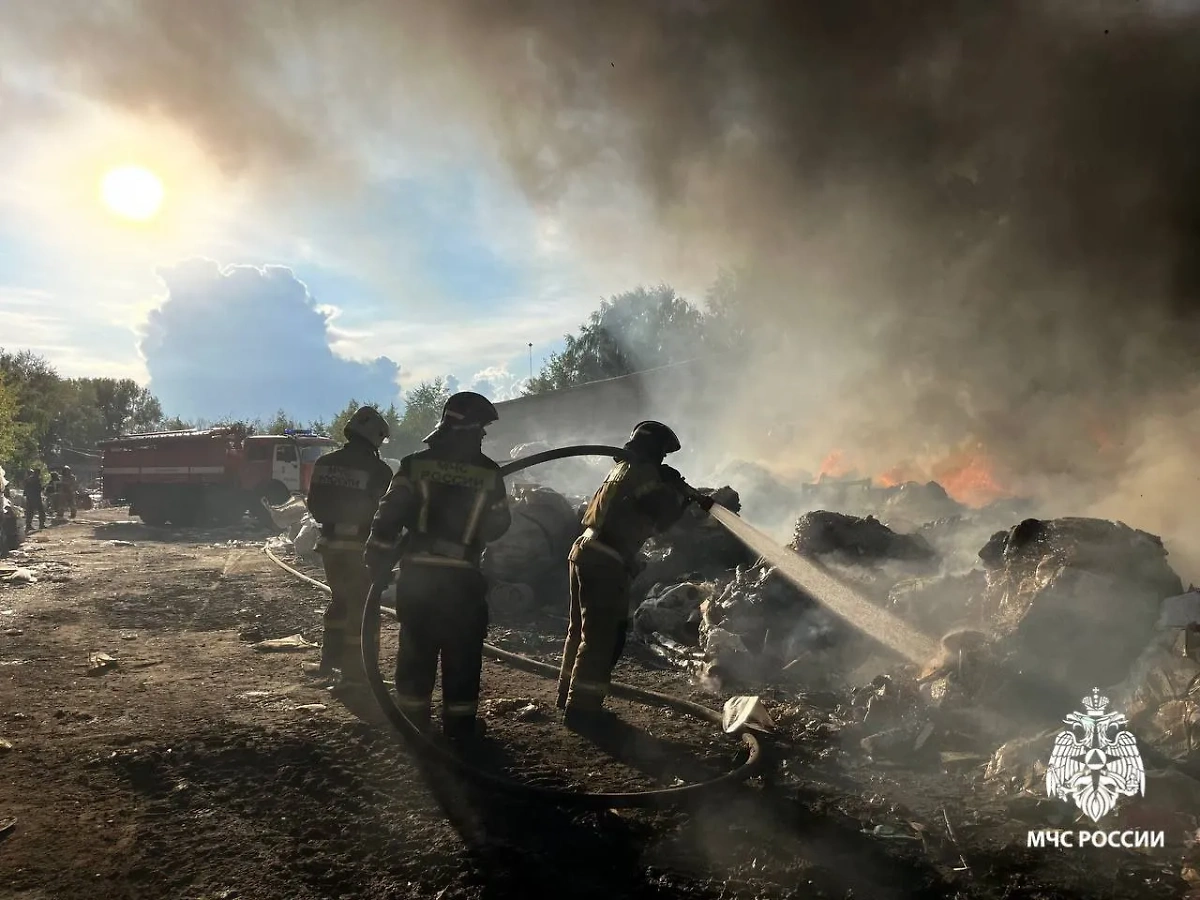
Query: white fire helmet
{"x": 369, "y": 425}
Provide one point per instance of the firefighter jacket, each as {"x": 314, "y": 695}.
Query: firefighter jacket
{"x": 33, "y": 486}
{"x": 450, "y": 500}
{"x": 345, "y": 491}
{"x": 634, "y": 503}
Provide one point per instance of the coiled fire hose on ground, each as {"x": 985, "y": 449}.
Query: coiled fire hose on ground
{"x": 425, "y": 746}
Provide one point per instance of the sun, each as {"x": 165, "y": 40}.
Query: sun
{"x": 132, "y": 192}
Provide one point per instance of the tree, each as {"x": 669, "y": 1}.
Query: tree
{"x": 639, "y": 329}
{"x": 11, "y": 431}
{"x": 279, "y": 425}
{"x": 422, "y": 412}
{"x": 55, "y": 413}
{"x": 125, "y": 406}
{"x": 40, "y": 395}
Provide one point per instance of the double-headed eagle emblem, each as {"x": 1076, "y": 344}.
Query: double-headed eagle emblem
{"x": 1095, "y": 760}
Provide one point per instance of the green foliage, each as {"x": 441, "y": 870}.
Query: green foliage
{"x": 422, "y": 412}
{"x": 278, "y": 425}
{"x": 96, "y": 409}
{"x": 52, "y": 413}
{"x": 10, "y": 434}
{"x": 641, "y": 329}
{"x": 40, "y": 396}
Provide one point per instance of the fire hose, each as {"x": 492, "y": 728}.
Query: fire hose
{"x": 428, "y": 748}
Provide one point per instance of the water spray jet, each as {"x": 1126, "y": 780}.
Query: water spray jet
{"x": 837, "y": 597}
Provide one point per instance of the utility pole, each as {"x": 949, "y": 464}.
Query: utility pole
{"x": 531, "y": 361}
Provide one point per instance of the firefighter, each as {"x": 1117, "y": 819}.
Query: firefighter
{"x": 54, "y": 497}
{"x": 33, "y": 499}
{"x": 638, "y": 499}
{"x": 344, "y": 492}
{"x": 69, "y": 488}
{"x": 451, "y": 501}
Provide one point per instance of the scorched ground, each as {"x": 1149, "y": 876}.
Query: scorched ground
{"x": 187, "y": 765}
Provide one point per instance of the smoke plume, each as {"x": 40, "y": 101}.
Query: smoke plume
{"x": 968, "y": 222}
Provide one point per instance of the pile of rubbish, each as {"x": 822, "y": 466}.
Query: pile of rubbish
{"x": 751, "y": 625}
{"x": 12, "y": 523}
{"x": 1073, "y": 601}
{"x": 300, "y": 530}
{"x": 1050, "y": 609}
{"x": 751, "y": 628}
{"x": 526, "y": 568}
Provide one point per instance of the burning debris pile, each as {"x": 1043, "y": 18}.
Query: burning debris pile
{"x": 1073, "y": 601}
{"x": 1051, "y": 609}
{"x": 752, "y": 625}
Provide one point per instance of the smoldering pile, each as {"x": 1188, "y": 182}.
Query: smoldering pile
{"x": 1034, "y": 616}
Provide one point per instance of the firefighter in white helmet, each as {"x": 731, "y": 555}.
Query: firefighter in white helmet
{"x": 449, "y": 501}
{"x": 343, "y": 494}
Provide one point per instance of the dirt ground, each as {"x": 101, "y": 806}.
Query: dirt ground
{"x": 194, "y": 767}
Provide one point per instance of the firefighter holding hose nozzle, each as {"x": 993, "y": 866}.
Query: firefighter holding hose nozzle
{"x": 343, "y": 494}
{"x": 639, "y": 498}
{"x": 449, "y": 501}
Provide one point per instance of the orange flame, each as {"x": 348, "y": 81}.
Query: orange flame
{"x": 970, "y": 477}
{"x": 833, "y": 466}
{"x": 899, "y": 474}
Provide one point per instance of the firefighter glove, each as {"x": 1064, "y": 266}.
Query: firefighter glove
{"x": 379, "y": 558}
{"x": 670, "y": 475}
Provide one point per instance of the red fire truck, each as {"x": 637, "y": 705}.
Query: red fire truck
{"x": 214, "y": 475}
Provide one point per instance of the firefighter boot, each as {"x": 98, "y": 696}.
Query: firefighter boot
{"x": 330, "y": 662}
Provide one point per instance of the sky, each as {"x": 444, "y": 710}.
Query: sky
{"x": 408, "y": 254}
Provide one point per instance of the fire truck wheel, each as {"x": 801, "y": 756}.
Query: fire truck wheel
{"x": 276, "y": 493}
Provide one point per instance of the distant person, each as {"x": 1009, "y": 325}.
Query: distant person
{"x": 450, "y": 501}
{"x": 640, "y": 498}
{"x": 54, "y": 497}
{"x": 70, "y": 486}
{"x": 32, "y": 486}
{"x": 343, "y": 494}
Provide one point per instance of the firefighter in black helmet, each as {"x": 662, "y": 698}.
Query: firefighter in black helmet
{"x": 639, "y": 498}
{"x": 70, "y": 486}
{"x": 450, "y": 501}
{"x": 343, "y": 494}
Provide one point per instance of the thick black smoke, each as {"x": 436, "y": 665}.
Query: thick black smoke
{"x": 980, "y": 219}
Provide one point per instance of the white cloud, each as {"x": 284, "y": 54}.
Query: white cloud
{"x": 497, "y": 383}
{"x": 246, "y": 341}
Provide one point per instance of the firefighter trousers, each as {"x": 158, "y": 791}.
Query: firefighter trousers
{"x": 443, "y": 612}
{"x": 596, "y": 633}
{"x": 349, "y": 582}
{"x": 34, "y": 507}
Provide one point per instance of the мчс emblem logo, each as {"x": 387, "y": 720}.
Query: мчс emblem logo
{"x": 1095, "y": 760}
